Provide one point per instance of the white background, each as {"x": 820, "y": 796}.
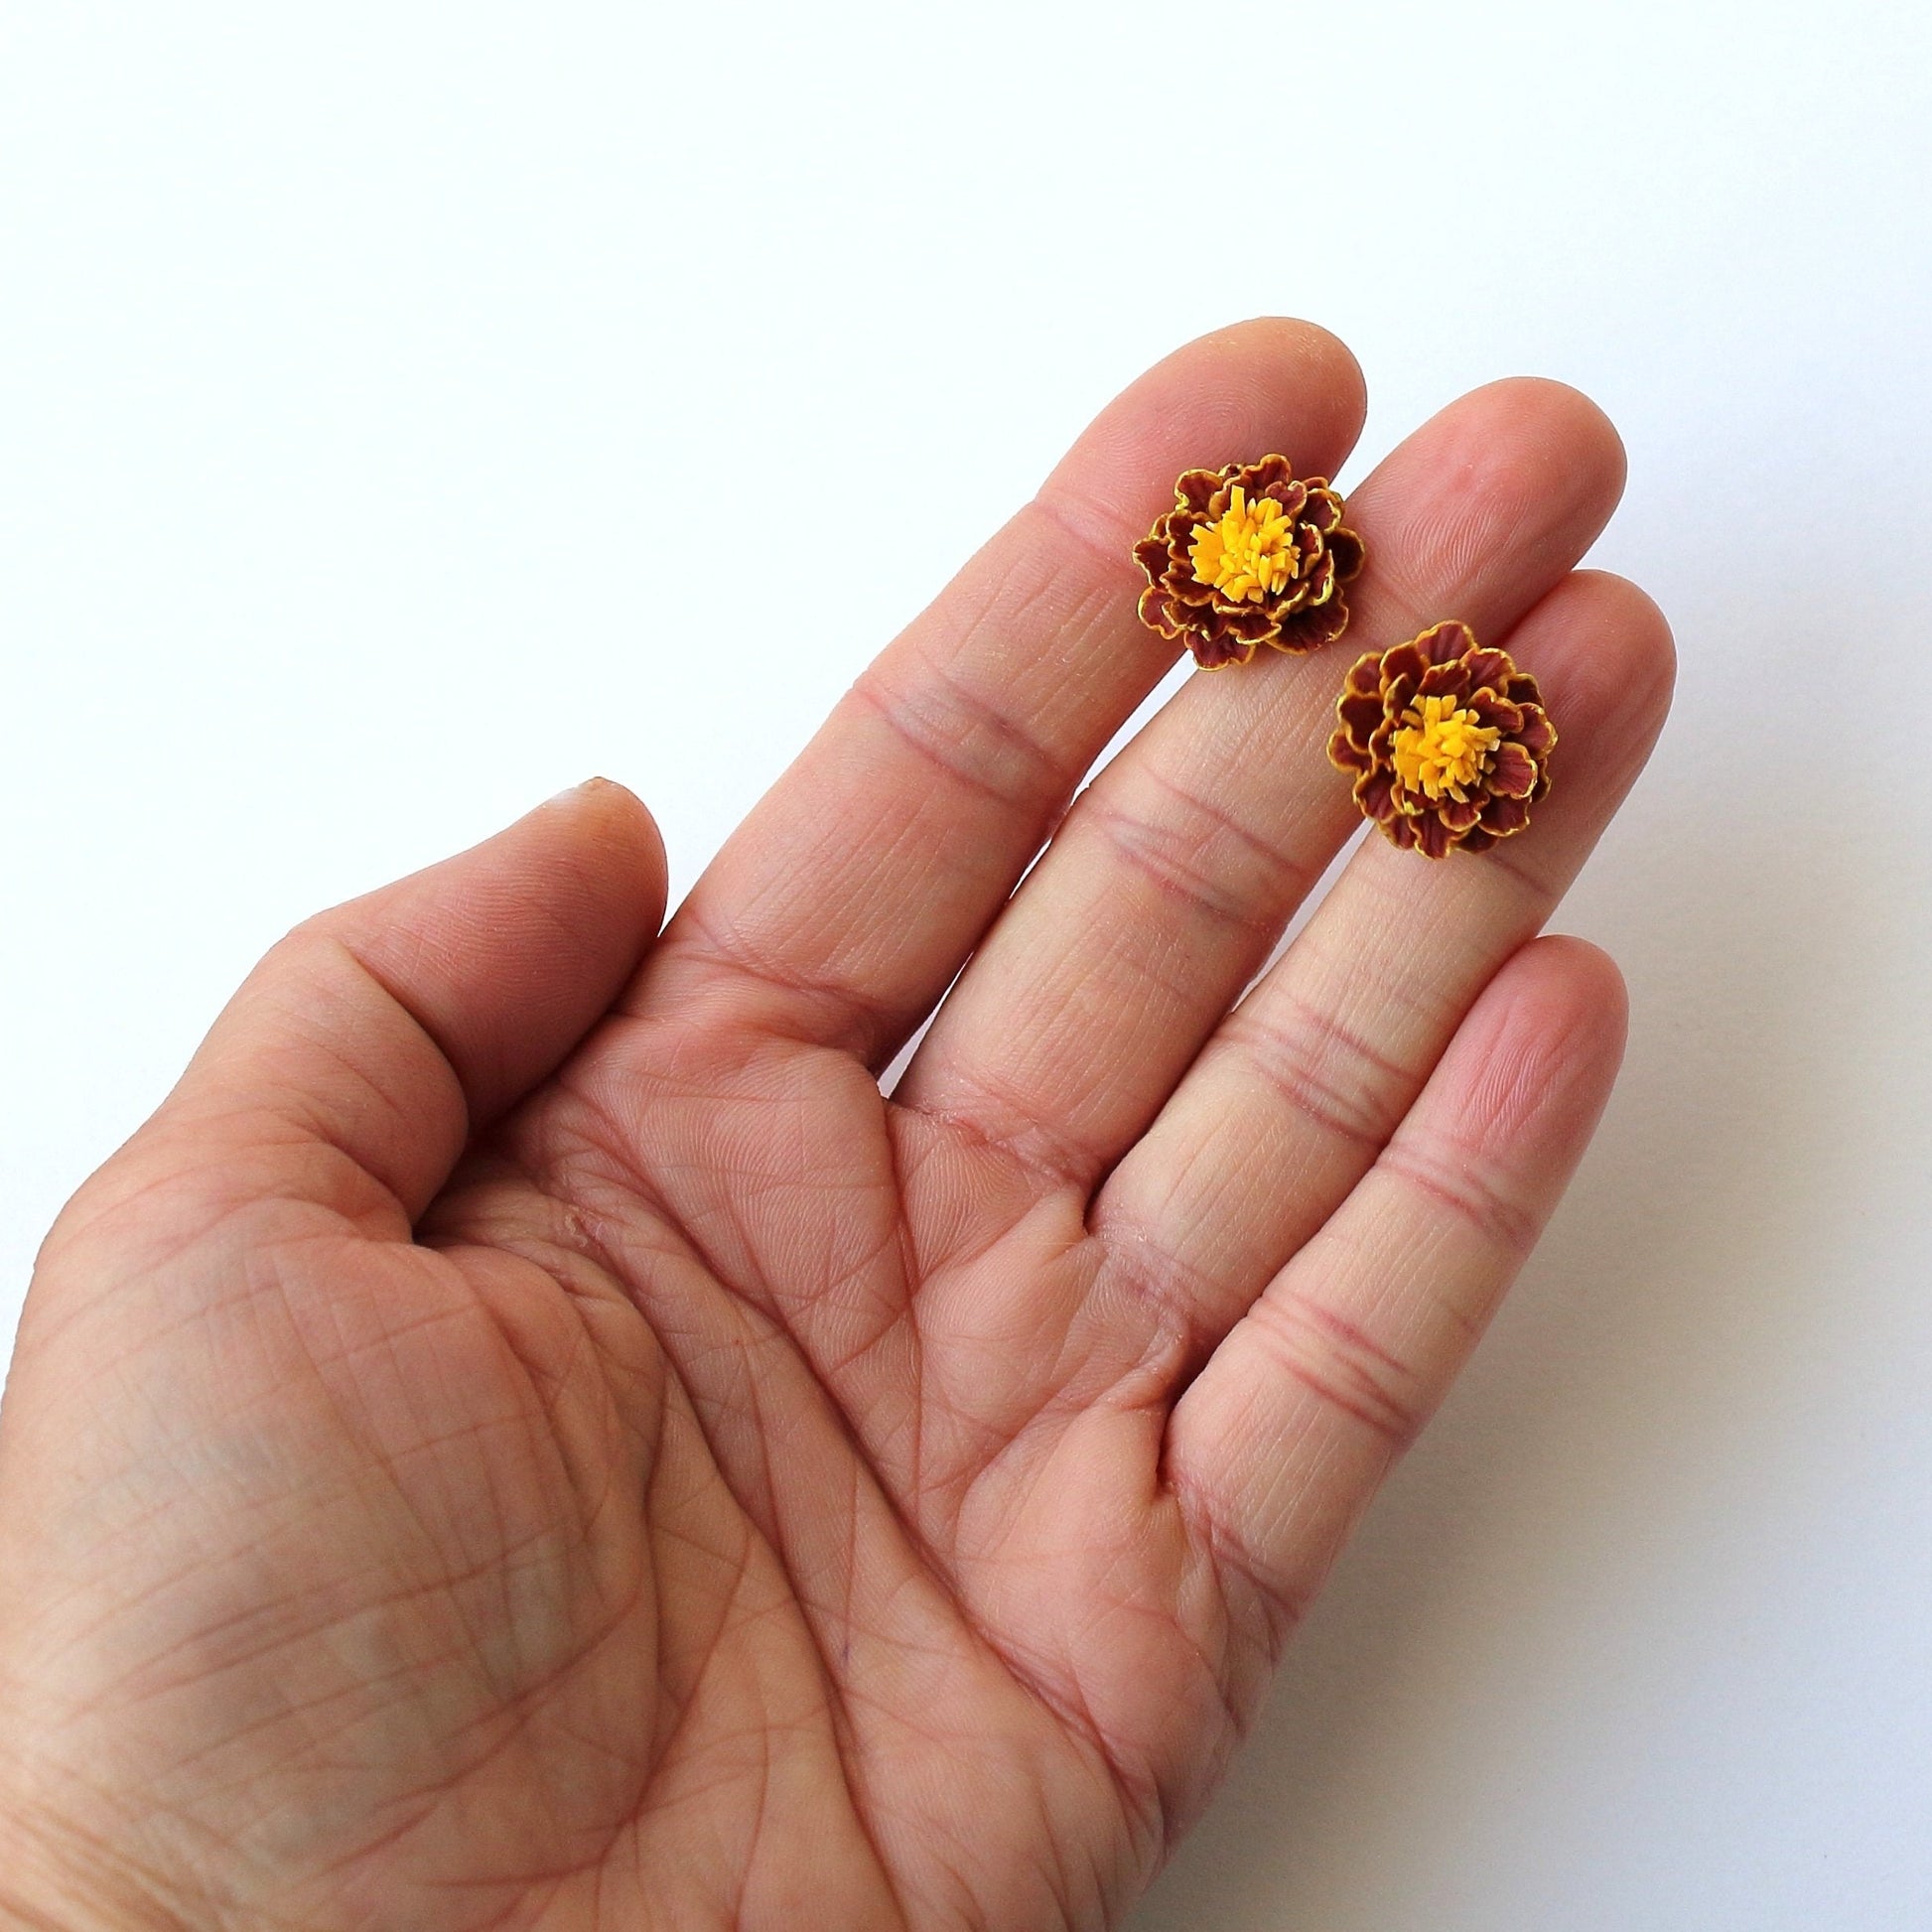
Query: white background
{"x": 386, "y": 389}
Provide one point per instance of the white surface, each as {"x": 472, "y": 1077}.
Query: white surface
{"x": 362, "y": 367}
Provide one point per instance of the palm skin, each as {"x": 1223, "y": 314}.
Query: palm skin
{"x": 530, "y": 1436}
{"x": 682, "y": 1630}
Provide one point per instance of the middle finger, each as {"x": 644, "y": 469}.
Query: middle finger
{"x": 1177, "y": 870}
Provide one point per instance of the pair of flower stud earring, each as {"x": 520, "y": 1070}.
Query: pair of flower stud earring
{"x": 1448, "y": 742}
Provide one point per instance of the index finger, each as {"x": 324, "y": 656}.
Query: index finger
{"x": 843, "y": 906}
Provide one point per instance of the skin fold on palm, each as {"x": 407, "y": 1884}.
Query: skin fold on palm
{"x": 530, "y": 1436}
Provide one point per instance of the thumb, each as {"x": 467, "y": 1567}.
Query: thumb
{"x": 393, "y": 1027}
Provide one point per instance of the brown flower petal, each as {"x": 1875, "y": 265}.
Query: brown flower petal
{"x": 1313, "y": 556}
{"x": 1193, "y": 489}
{"x": 1502, "y": 817}
{"x": 1306, "y": 630}
{"x": 1376, "y": 796}
{"x": 1512, "y": 771}
{"x": 1291, "y": 496}
{"x": 1210, "y": 653}
{"x": 1537, "y": 735}
{"x": 1360, "y": 716}
{"x": 1347, "y": 549}
{"x": 1404, "y": 661}
{"x": 1489, "y": 668}
{"x": 1348, "y": 756}
{"x": 1271, "y": 473}
{"x": 1420, "y": 715}
{"x": 1449, "y": 680}
{"x": 1442, "y": 641}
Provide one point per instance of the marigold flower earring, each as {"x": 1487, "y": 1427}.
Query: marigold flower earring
{"x": 1449, "y": 743}
{"x": 1249, "y": 555}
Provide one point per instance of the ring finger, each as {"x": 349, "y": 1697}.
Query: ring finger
{"x": 1308, "y": 1077}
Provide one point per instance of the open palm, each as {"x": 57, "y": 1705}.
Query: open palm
{"x": 530, "y": 1436}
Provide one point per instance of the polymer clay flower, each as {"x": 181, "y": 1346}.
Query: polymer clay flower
{"x": 1448, "y": 744}
{"x": 1249, "y": 555}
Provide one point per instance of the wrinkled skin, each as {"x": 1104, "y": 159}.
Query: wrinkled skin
{"x": 527, "y": 1436}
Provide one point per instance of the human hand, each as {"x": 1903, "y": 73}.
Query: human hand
{"x": 528, "y": 1437}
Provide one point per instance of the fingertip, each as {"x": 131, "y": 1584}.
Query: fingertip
{"x": 616, "y": 840}
{"x": 507, "y": 953}
{"x": 1534, "y": 1063}
{"x": 1524, "y": 468}
{"x": 1552, "y": 434}
{"x": 1637, "y": 647}
{"x": 1271, "y": 383}
{"x": 1278, "y": 346}
{"x": 1558, "y": 414}
{"x": 1575, "y": 978}
{"x": 1567, "y": 443}
{"x": 1604, "y": 657}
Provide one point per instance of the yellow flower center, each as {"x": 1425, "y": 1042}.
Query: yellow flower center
{"x": 1440, "y": 748}
{"x": 1249, "y": 552}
